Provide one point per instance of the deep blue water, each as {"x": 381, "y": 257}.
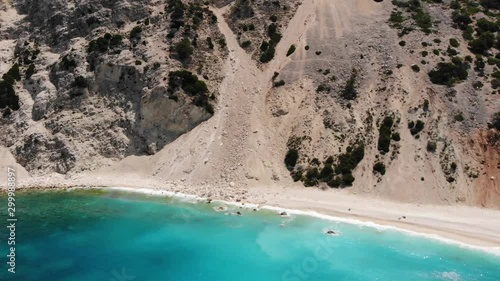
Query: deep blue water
{"x": 116, "y": 236}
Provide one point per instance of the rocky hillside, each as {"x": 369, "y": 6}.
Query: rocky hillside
{"x": 88, "y": 82}
{"x": 399, "y": 100}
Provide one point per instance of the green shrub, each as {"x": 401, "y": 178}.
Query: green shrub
{"x": 138, "y": 62}
{"x": 30, "y": 71}
{"x": 12, "y": 75}
{"x": 335, "y": 182}
{"x": 495, "y": 120}
{"x": 449, "y": 73}
{"x": 462, "y": 21}
{"x": 246, "y": 44}
{"x": 326, "y": 173}
{"x": 279, "y": 83}
{"x": 210, "y": 43}
{"x": 483, "y": 43}
{"x": 222, "y": 42}
{"x": 135, "y": 33}
{"x": 495, "y": 83}
{"x": 385, "y": 132}
{"x": 487, "y": 26}
{"x": 350, "y": 159}
{"x": 311, "y": 177}
{"x": 416, "y": 128}
{"x": 431, "y": 146}
{"x": 454, "y": 43}
{"x": 415, "y": 68}
{"x": 192, "y": 86}
{"x": 347, "y": 179}
{"x": 296, "y": 176}
{"x": 184, "y": 49}
{"x": 291, "y": 50}
{"x": 8, "y": 96}
{"x": 291, "y": 158}
{"x": 395, "y": 136}
{"x": 379, "y": 167}
{"x": 459, "y": 117}
{"x": 268, "y": 54}
{"x": 350, "y": 92}
{"x": 80, "y": 82}
{"x": 115, "y": 40}
{"x": 274, "y": 18}
{"x": 67, "y": 64}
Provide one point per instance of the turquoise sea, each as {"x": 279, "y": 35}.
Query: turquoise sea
{"x": 90, "y": 235}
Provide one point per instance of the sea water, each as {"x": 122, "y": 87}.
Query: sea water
{"x": 107, "y": 235}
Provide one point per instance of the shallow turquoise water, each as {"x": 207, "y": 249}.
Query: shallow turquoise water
{"x": 116, "y": 236}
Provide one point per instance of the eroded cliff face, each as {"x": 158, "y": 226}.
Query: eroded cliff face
{"x": 365, "y": 102}
{"x": 95, "y": 81}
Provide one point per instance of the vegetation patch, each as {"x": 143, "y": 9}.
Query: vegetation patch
{"x": 416, "y": 127}
{"x": 291, "y": 50}
{"x": 449, "y": 73}
{"x": 192, "y": 86}
{"x": 385, "y": 134}
{"x": 379, "y": 168}
{"x": 350, "y": 92}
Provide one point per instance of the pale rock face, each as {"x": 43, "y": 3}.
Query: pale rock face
{"x": 84, "y": 108}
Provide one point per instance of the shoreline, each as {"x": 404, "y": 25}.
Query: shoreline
{"x": 452, "y": 224}
{"x": 494, "y": 250}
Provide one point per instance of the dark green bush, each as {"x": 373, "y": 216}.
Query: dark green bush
{"x": 487, "y": 26}
{"x": 335, "y": 182}
{"x": 350, "y": 92}
{"x": 396, "y": 137}
{"x": 268, "y": 54}
{"x": 385, "y": 133}
{"x": 8, "y": 96}
{"x": 459, "y": 117}
{"x": 291, "y": 159}
{"x": 115, "y": 40}
{"x": 379, "y": 167}
{"x": 350, "y": 159}
{"x": 449, "y": 73}
{"x": 461, "y": 20}
{"x": 192, "y": 86}
{"x": 495, "y": 120}
{"x": 491, "y": 4}
{"x": 291, "y": 50}
{"x": 246, "y": 44}
{"x": 327, "y": 173}
{"x": 311, "y": 177}
{"x": 274, "y": 18}
{"x": 279, "y": 83}
{"x": 415, "y": 68}
{"x": 210, "y": 43}
{"x": 483, "y": 43}
{"x": 454, "y": 43}
{"x": 30, "y": 71}
{"x": 135, "y": 33}
{"x": 416, "y": 128}
{"x": 184, "y": 49}
{"x": 12, "y": 75}
{"x": 347, "y": 179}
{"x": 80, "y": 82}
{"x": 431, "y": 146}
